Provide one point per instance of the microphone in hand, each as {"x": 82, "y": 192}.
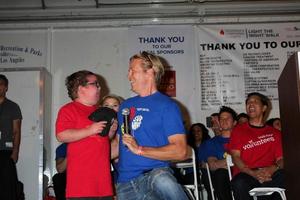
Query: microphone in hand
{"x": 126, "y": 120}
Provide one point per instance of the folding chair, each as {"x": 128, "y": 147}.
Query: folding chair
{"x": 259, "y": 191}
{"x": 263, "y": 191}
{"x": 191, "y": 189}
{"x": 212, "y": 190}
{"x": 210, "y": 182}
{"x": 229, "y": 165}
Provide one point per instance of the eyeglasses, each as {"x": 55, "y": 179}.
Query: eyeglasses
{"x": 96, "y": 83}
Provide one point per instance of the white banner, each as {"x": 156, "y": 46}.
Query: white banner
{"x": 175, "y": 44}
{"x": 238, "y": 59}
{"x": 23, "y": 48}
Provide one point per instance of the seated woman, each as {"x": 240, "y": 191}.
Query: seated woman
{"x": 198, "y": 135}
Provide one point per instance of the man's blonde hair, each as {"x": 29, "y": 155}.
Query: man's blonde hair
{"x": 151, "y": 61}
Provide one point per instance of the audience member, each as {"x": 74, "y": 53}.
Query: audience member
{"x": 274, "y": 122}
{"x": 88, "y": 166}
{"x": 201, "y": 153}
{"x": 242, "y": 118}
{"x": 157, "y": 136}
{"x": 216, "y": 153}
{"x": 256, "y": 150}
{"x": 198, "y": 134}
{"x": 215, "y": 124}
{"x": 59, "y": 179}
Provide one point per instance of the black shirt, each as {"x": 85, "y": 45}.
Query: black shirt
{"x": 9, "y": 111}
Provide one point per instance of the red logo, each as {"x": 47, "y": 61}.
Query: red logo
{"x": 222, "y": 32}
{"x": 132, "y": 113}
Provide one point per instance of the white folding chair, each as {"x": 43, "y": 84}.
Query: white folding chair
{"x": 191, "y": 189}
{"x": 210, "y": 182}
{"x": 229, "y": 165}
{"x": 263, "y": 191}
{"x": 259, "y": 191}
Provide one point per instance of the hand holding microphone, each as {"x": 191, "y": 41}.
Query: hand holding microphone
{"x": 128, "y": 140}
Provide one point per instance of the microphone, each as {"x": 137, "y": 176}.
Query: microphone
{"x": 125, "y": 113}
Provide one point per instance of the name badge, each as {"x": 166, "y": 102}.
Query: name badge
{"x": 9, "y": 144}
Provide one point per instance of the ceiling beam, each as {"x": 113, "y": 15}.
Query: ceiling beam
{"x": 176, "y": 10}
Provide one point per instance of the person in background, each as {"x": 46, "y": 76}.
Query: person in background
{"x": 242, "y": 118}
{"x": 88, "y": 153}
{"x": 157, "y": 136}
{"x": 217, "y": 152}
{"x": 59, "y": 179}
{"x": 198, "y": 134}
{"x": 10, "y": 138}
{"x": 113, "y": 101}
{"x": 274, "y": 122}
{"x": 215, "y": 124}
{"x": 256, "y": 151}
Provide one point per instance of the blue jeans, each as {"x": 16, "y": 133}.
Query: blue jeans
{"x": 157, "y": 184}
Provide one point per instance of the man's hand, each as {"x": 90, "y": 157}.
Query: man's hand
{"x": 97, "y": 127}
{"x": 131, "y": 143}
{"x": 15, "y": 156}
{"x": 265, "y": 174}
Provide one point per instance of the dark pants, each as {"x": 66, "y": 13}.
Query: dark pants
{"x": 10, "y": 187}
{"x": 242, "y": 183}
{"x": 221, "y": 184}
{"x": 59, "y": 185}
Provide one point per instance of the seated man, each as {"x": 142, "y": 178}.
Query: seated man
{"x": 216, "y": 153}
{"x": 59, "y": 179}
{"x": 256, "y": 151}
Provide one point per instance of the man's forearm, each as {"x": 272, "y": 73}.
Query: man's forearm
{"x": 71, "y": 135}
{"x": 16, "y": 142}
{"x": 168, "y": 152}
{"x": 242, "y": 166}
